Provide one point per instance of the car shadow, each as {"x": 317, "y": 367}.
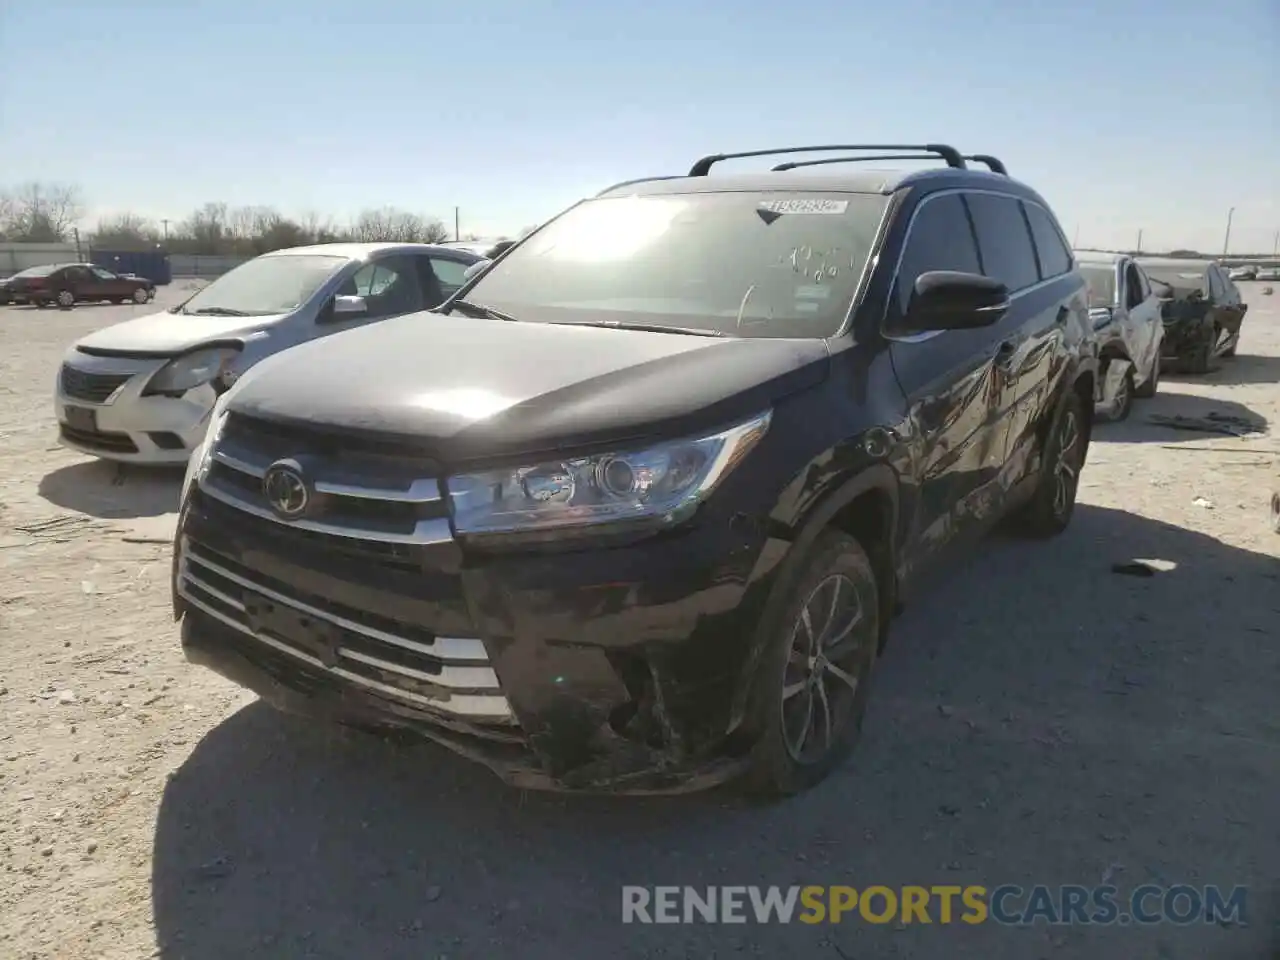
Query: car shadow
{"x": 1076, "y": 719}
{"x": 1240, "y": 369}
{"x": 100, "y": 488}
{"x": 1196, "y": 417}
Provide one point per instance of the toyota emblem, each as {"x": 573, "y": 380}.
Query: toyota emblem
{"x": 285, "y": 489}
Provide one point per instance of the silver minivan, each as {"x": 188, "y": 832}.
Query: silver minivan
{"x": 141, "y": 391}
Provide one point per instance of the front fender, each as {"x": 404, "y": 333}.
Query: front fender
{"x": 822, "y": 497}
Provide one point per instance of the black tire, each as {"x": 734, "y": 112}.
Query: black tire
{"x": 140, "y": 296}
{"x": 1124, "y": 398}
{"x": 1066, "y": 446}
{"x": 805, "y": 711}
{"x": 40, "y": 304}
{"x": 1152, "y": 383}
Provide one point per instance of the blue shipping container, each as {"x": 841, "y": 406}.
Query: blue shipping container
{"x": 152, "y": 264}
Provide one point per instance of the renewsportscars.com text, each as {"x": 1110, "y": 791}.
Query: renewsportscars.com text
{"x": 1008, "y": 904}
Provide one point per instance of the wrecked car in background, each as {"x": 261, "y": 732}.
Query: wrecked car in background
{"x": 1126, "y": 317}
{"x": 633, "y": 510}
{"x": 1201, "y": 308}
{"x": 141, "y": 391}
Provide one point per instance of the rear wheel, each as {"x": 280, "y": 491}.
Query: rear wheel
{"x": 1198, "y": 361}
{"x": 814, "y": 677}
{"x": 1054, "y": 502}
{"x": 66, "y": 299}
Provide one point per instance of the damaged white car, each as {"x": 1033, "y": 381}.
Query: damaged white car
{"x": 1125, "y": 312}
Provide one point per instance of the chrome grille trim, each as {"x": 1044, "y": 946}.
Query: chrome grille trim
{"x": 420, "y": 491}
{"x": 475, "y": 706}
{"x": 425, "y": 533}
{"x": 235, "y": 463}
{"x": 444, "y": 648}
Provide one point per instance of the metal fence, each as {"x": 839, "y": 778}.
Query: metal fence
{"x": 15, "y": 257}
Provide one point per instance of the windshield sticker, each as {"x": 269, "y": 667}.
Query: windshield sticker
{"x": 813, "y": 205}
{"x": 814, "y": 292}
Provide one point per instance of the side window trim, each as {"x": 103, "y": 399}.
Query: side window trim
{"x": 902, "y": 249}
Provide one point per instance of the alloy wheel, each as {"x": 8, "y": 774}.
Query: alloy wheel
{"x": 827, "y": 660}
{"x": 66, "y": 298}
{"x": 1066, "y": 467}
{"x": 140, "y": 295}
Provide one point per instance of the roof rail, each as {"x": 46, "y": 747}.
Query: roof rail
{"x": 950, "y": 154}
{"x": 992, "y": 163}
{"x": 627, "y": 183}
{"x": 793, "y": 164}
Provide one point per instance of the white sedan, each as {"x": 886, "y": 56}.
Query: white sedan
{"x": 141, "y": 391}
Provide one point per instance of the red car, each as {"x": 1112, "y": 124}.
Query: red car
{"x": 67, "y": 284}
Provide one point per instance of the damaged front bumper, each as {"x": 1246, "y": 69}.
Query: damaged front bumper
{"x": 596, "y": 670}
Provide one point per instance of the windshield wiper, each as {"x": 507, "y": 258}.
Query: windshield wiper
{"x": 646, "y": 327}
{"x": 217, "y": 312}
{"x": 480, "y": 310}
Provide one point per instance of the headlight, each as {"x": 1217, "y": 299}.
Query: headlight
{"x": 191, "y": 370}
{"x": 202, "y": 455}
{"x": 657, "y": 486}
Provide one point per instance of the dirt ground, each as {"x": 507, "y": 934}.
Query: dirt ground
{"x": 1038, "y": 718}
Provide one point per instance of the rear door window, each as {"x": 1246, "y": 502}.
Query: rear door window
{"x": 940, "y": 239}
{"x": 1004, "y": 240}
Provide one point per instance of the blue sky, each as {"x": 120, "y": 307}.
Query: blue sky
{"x": 1119, "y": 112}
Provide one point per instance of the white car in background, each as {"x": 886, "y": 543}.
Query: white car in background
{"x": 141, "y": 391}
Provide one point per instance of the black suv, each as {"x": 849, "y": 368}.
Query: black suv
{"x": 633, "y": 509}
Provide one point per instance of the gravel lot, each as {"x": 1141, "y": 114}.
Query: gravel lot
{"x": 1038, "y": 719}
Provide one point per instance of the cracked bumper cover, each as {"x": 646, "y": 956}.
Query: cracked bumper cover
{"x": 624, "y": 669}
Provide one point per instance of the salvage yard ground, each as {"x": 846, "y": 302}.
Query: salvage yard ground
{"x": 1039, "y": 718}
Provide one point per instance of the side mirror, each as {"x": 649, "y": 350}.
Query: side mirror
{"x": 475, "y": 269}
{"x": 346, "y": 306}
{"x": 948, "y": 300}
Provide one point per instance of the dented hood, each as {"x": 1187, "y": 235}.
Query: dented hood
{"x": 166, "y": 334}
{"x": 470, "y": 388}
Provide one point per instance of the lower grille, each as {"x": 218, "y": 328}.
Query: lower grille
{"x": 110, "y": 442}
{"x": 446, "y": 675}
{"x": 91, "y": 387}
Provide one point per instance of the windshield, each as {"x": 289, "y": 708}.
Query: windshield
{"x": 1101, "y": 279}
{"x": 265, "y": 285}
{"x": 744, "y": 264}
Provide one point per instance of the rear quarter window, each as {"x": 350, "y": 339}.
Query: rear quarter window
{"x": 1051, "y": 249}
{"x": 1004, "y": 240}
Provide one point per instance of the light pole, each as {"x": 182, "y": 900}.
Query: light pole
{"x": 1139, "y": 249}
{"x": 1227, "y": 239}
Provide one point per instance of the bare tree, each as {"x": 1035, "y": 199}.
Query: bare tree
{"x": 125, "y": 230}
{"x": 43, "y": 213}
{"x": 206, "y": 229}
{"x": 398, "y": 226}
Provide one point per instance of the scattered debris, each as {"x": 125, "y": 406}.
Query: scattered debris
{"x": 1203, "y": 502}
{"x": 1210, "y": 423}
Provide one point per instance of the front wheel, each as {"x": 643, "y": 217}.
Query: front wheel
{"x": 1052, "y": 505}
{"x": 140, "y": 295}
{"x": 1123, "y": 402}
{"x": 814, "y": 677}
